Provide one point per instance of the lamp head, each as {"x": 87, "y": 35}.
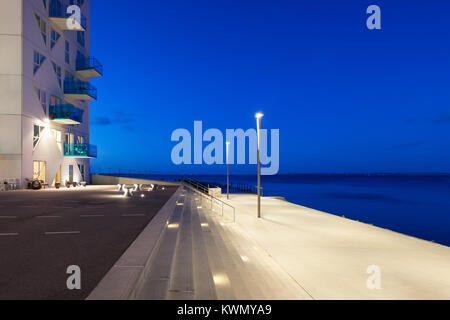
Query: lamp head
{"x": 259, "y": 115}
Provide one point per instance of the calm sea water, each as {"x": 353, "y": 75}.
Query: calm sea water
{"x": 417, "y": 205}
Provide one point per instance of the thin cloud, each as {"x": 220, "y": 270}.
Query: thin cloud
{"x": 443, "y": 118}
{"x": 102, "y": 121}
{"x": 411, "y": 144}
{"x": 118, "y": 118}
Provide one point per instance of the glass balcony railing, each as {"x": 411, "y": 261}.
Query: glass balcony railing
{"x": 59, "y": 11}
{"x": 90, "y": 67}
{"x": 80, "y": 90}
{"x": 66, "y": 114}
{"x": 80, "y": 150}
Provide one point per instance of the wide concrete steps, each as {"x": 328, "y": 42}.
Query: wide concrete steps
{"x": 201, "y": 256}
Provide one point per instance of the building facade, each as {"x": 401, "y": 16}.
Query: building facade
{"x": 45, "y": 91}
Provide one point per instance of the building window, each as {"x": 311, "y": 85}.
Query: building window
{"x": 58, "y": 137}
{"x": 45, "y": 3}
{"x": 39, "y": 171}
{"x": 68, "y": 75}
{"x": 37, "y": 134}
{"x": 54, "y": 101}
{"x": 81, "y": 168}
{"x": 80, "y": 37}
{"x": 42, "y": 96}
{"x": 54, "y": 38}
{"x": 67, "y": 56}
{"x": 57, "y": 70}
{"x": 80, "y": 140}
{"x": 77, "y": 2}
{"x": 42, "y": 26}
{"x": 38, "y": 61}
{"x": 69, "y": 138}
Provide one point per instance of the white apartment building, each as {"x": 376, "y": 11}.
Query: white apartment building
{"x": 45, "y": 93}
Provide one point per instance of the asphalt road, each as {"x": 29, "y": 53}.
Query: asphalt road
{"x": 42, "y": 233}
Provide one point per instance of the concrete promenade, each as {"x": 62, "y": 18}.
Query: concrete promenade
{"x": 329, "y": 255}
{"x": 193, "y": 250}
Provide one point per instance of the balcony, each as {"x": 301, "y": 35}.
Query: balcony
{"x": 79, "y": 90}
{"x": 61, "y": 19}
{"x": 89, "y": 67}
{"x": 66, "y": 114}
{"x": 80, "y": 150}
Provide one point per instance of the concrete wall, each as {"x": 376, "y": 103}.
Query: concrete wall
{"x": 110, "y": 180}
{"x": 10, "y": 88}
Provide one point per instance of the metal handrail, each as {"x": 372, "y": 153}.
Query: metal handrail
{"x": 127, "y": 172}
{"x": 212, "y": 198}
{"x": 197, "y": 185}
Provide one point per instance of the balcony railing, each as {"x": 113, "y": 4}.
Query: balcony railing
{"x": 80, "y": 150}
{"x": 89, "y": 67}
{"x": 58, "y": 15}
{"x": 66, "y": 114}
{"x": 79, "y": 90}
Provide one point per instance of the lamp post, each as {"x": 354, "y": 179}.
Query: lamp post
{"x": 258, "y": 117}
{"x": 228, "y": 170}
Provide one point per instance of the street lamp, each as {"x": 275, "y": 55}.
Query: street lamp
{"x": 258, "y": 117}
{"x": 228, "y": 170}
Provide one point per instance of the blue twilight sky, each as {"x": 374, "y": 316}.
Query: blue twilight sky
{"x": 346, "y": 99}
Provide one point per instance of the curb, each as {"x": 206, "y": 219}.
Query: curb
{"x": 122, "y": 278}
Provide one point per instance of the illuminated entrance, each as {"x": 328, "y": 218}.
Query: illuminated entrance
{"x": 39, "y": 171}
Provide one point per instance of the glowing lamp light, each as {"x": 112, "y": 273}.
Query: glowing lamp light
{"x": 259, "y": 115}
{"x": 245, "y": 258}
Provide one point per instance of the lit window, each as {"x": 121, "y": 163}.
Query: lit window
{"x": 37, "y": 134}
{"x": 58, "y": 137}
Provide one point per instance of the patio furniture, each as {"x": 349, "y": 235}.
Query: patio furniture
{"x": 128, "y": 191}
{"x": 120, "y": 187}
{"x": 137, "y": 187}
{"x": 36, "y": 185}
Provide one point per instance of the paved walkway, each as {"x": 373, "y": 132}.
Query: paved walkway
{"x": 329, "y": 255}
{"x": 201, "y": 255}
{"x": 194, "y": 250}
